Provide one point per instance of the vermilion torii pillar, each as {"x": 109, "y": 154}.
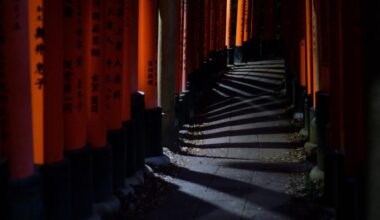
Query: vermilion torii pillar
{"x": 46, "y": 47}
{"x": 229, "y": 33}
{"x": 247, "y": 20}
{"x": 308, "y": 42}
{"x": 212, "y": 29}
{"x": 206, "y": 29}
{"x": 147, "y": 73}
{"x": 302, "y": 43}
{"x": 129, "y": 85}
{"x": 269, "y": 28}
{"x": 96, "y": 105}
{"x": 179, "y": 47}
{"x": 22, "y": 195}
{"x": 114, "y": 30}
{"x": 75, "y": 66}
{"x": 239, "y": 32}
{"x": 185, "y": 43}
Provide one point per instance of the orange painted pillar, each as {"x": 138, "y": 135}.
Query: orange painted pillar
{"x": 255, "y": 19}
{"x": 228, "y": 38}
{"x": 129, "y": 77}
{"x": 75, "y": 66}
{"x": 179, "y": 46}
{"x": 16, "y": 93}
{"x": 185, "y": 29}
{"x": 302, "y": 44}
{"x": 308, "y": 42}
{"x": 74, "y": 74}
{"x": 147, "y": 51}
{"x": 252, "y": 18}
{"x": 3, "y": 96}
{"x": 37, "y": 76}
{"x": 113, "y": 62}
{"x": 240, "y": 24}
{"x": 324, "y": 56}
{"x": 219, "y": 28}
{"x": 215, "y": 26}
{"x": 212, "y": 26}
{"x": 336, "y": 58}
{"x": 96, "y": 104}
{"x": 53, "y": 81}
{"x": 269, "y": 21}
{"x": 147, "y": 74}
{"x": 302, "y": 62}
{"x": 223, "y": 24}
{"x": 96, "y": 83}
{"x": 129, "y": 82}
{"x": 206, "y": 29}
{"x": 189, "y": 37}
{"x": 46, "y": 33}
{"x": 199, "y": 32}
{"x": 238, "y": 54}
{"x": 314, "y": 46}
{"x": 354, "y": 141}
{"x": 114, "y": 30}
{"x": 20, "y": 189}
{"x": 247, "y": 19}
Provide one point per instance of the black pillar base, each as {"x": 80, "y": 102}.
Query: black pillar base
{"x": 3, "y": 189}
{"x": 130, "y": 140}
{"x": 238, "y": 55}
{"x": 81, "y": 182}
{"x": 353, "y": 203}
{"x": 56, "y": 190}
{"x": 153, "y": 132}
{"x": 138, "y": 126}
{"x": 230, "y": 56}
{"x": 323, "y": 120}
{"x": 25, "y": 200}
{"x": 102, "y": 174}
{"x": 213, "y": 63}
{"x": 246, "y": 51}
{"x": 299, "y": 97}
{"x": 333, "y": 177}
{"x": 117, "y": 141}
{"x": 269, "y": 49}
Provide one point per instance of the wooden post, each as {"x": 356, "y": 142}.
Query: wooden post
{"x": 247, "y": 19}
{"x": 16, "y": 93}
{"x": 147, "y": 52}
{"x": 179, "y": 45}
{"x": 37, "y": 75}
{"x": 52, "y": 81}
{"x": 185, "y": 29}
{"x": 206, "y": 29}
{"x": 213, "y": 16}
{"x": 21, "y": 194}
{"x": 75, "y": 66}
{"x": 228, "y": 24}
{"x": 96, "y": 83}
{"x": 147, "y": 73}
{"x": 74, "y": 73}
{"x": 239, "y": 32}
{"x": 114, "y": 62}
{"x": 96, "y": 111}
{"x": 129, "y": 83}
{"x": 308, "y": 42}
{"x": 114, "y": 30}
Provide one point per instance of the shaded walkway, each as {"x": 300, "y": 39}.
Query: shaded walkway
{"x": 240, "y": 162}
